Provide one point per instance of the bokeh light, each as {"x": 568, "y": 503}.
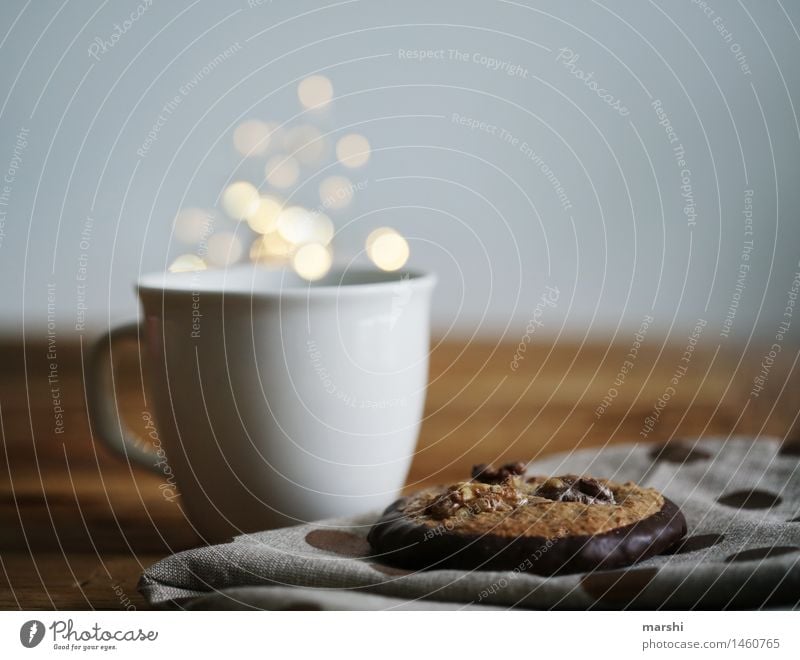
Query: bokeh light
{"x": 265, "y": 218}
{"x": 187, "y": 263}
{"x": 192, "y": 225}
{"x": 224, "y": 248}
{"x": 252, "y": 137}
{"x": 292, "y": 223}
{"x": 387, "y": 249}
{"x": 353, "y": 150}
{"x": 315, "y": 92}
{"x": 335, "y": 192}
{"x": 270, "y": 249}
{"x": 312, "y": 261}
{"x": 282, "y": 171}
{"x": 299, "y": 226}
{"x": 305, "y": 143}
{"x": 291, "y": 235}
{"x": 322, "y": 229}
{"x": 375, "y": 234}
{"x": 240, "y": 200}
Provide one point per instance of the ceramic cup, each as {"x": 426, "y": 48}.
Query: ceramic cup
{"x": 276, "y": 401}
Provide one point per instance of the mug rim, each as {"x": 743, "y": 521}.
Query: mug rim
{"x": 165, "y": 282}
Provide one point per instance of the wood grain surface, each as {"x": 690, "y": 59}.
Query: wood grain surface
{"x": 77, "y": 525}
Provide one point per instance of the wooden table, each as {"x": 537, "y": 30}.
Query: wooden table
{"x": 77, "y": 526}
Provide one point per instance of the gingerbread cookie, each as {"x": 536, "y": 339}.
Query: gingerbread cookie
{"x": 501, "y": 520}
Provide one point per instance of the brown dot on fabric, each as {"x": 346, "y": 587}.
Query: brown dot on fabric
{"x": 618, "y": 588}
{"x": 678, "y": 452}
{"x": 694, "y": 543}
{"x": 750, "y": 499}
{"x": 790, "y": 448}
{"x": 391, "y": 570}
{"x": 762, "y": 553}
{"x": 342, "y": 543}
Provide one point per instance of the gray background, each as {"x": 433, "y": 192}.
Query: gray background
{"x": 474, "y": 208}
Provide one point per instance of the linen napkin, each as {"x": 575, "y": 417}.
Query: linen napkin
{"x": 740, "y": 497}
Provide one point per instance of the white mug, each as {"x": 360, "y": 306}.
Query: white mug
{"x": 277, "y": 401}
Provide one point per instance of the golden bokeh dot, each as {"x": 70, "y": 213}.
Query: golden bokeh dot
{"x": 291, "y": 220}
{"x": 387, "y": 249}
{"x": 335, "y": 192}
{"x": 315, "y": 92}
{"x": 265, "y": 218}
{"x": 377, "y": 233}
{"x": 353, "y": 150}
{"x": 240, "y": 200}
{"x": 322, "y": 229}
{"x": 298, "y": 225}
{"x": 312, "y": 261}
{"x": 282, "y": 171}
{"x": 270, "y": 249}
{"x": 224, "y": 248}
{"x": 252, "y": 137}
{"x": 187, "y": 263}
{"x": 305, "y": 143}
{"x": 192, "y": 225}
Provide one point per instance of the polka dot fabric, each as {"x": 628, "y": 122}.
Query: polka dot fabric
{"x": 741, "y": 499}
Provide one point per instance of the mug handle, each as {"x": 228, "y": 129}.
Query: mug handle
{"x": 103, "y": 409}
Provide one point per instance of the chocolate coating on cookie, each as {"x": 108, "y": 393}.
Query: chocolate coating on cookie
{"x": 585, "y": 524}
{"x": 400, "y": 542}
